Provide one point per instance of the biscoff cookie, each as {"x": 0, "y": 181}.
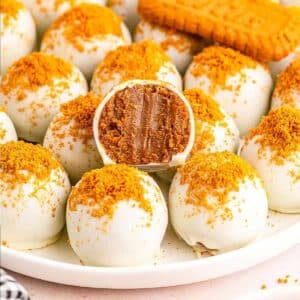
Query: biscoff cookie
{"x": 261, "y": 29}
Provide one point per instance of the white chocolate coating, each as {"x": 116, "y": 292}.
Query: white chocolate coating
{"x": 248, "y": 206}
{"x": 276, "y": 67}
{"x": 131, "y": 237}
{"x": 280, "y": 180}
{"x": 290, "y": 2}
{"x": 294, "y": 95}
{"x": 128, "y": 10}
{"x": 33, "y": 213}
{"x": 46, "y": 11}
{"x": 178, "y": 45}
{"x": 77, "y": 156}
{"x": 94, "y": 51}
{"x": 247, "y": 99}
{"x": 7, "y": 129}
{"x": 33, "y": 114}
{"x": 17, "y": 37}
{"x": 167, "y": 73}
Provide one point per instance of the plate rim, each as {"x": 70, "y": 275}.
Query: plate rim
{"x": 136, "y": 277}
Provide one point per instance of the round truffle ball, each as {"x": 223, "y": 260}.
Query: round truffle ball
{"x": 273, "y": 148}
{"x": 128, "y": 10}
{"x": 215, "y": 130}
{"x": 144, "y": 123}
{"x": 116, "y": 216}
{"x": 143, "y": 60}
{"x": 33, "y": 89}
{"x": 17, "y": 32}
{"x": 181, "y": 47}
{"x": 46, "y": 11}
{"x": 287, "y": 89}
{"x": 84, "y": 35}
{"x": 217, "y": 200}
{"x": 34, "y": 189}
{"x": 7, "y": 129}
{"x": 70, "y": 136}
{"x": 241, "y": 85}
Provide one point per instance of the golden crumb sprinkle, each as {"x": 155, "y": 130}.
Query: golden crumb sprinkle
{"x": 204, "y": 107}
{"x": 288, "y": 84}
{"x": 19, "y": 161}
{"x": 80, "y": 114}
{"x": 279, "y": 132}
{"x": 206, "y": 111}
{"x": 219, "y": 63}
{"x": 263, "y": 286}
{"x": 10, "y": 9}
{"x": 34, "y": 71}
{"x": 141, "y": 60}
{"x": 85, "y": 22}
{"x": 214, "y": 175}
{"x": 103, "y": 189}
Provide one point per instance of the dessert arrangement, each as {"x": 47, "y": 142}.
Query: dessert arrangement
{"x": 92, "y": 124}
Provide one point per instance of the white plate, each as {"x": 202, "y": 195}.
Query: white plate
{"x": 177, "y": 263}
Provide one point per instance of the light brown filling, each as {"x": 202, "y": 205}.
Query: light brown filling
{"x": 144, "y": 124}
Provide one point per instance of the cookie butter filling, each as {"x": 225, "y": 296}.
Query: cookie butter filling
{"x": 144, "y": 123}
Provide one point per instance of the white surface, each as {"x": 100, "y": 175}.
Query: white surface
{"x": 245, "y": 97}
{"x": 28, "y": 223}
{"x": 33, "y": 114}
{"x": 180, "y": 46}
{"x": 7, "y": 129}
{"x": 279, "y": 179}
{"x": 46, "y": 11}
{"x": 95, "y": 48}
{"x": 18, "y": 38}
{"x": 126, "y": 9}
{"x": 248, "y": 206}
{"x": 77, "y": 155}
{"x": 131, "y": 237}
{"x": 176, "y": 265}
{"x": 224, "y": 288}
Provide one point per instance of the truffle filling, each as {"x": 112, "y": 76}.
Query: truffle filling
{"x": 144, "y": 124}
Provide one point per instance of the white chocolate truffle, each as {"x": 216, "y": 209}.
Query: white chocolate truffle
{"x": 17, "y": 32}
{"x": 7, "y": 129}
{"x": 144, "y": 123}
{"x": 70, "y": 136}
{"x": 116, "y": 216}
{"x": 33, "y": 89}
{"x": 241, "y": 85}
{"x": 287, "y": 89}
{"x": 34, "y": 189}
{"x": 46, "y": 11}
{"x": 128, "y": 10}
{"x": 144, "y": 60}
{"x": 181, "y": 47}
{"x": 215, "y": 130}
{"x": 84, "y": 35}
{"x": 276, "y": 67}
{"x": 273, "y": 148}
{"x": 217, "y": 200}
